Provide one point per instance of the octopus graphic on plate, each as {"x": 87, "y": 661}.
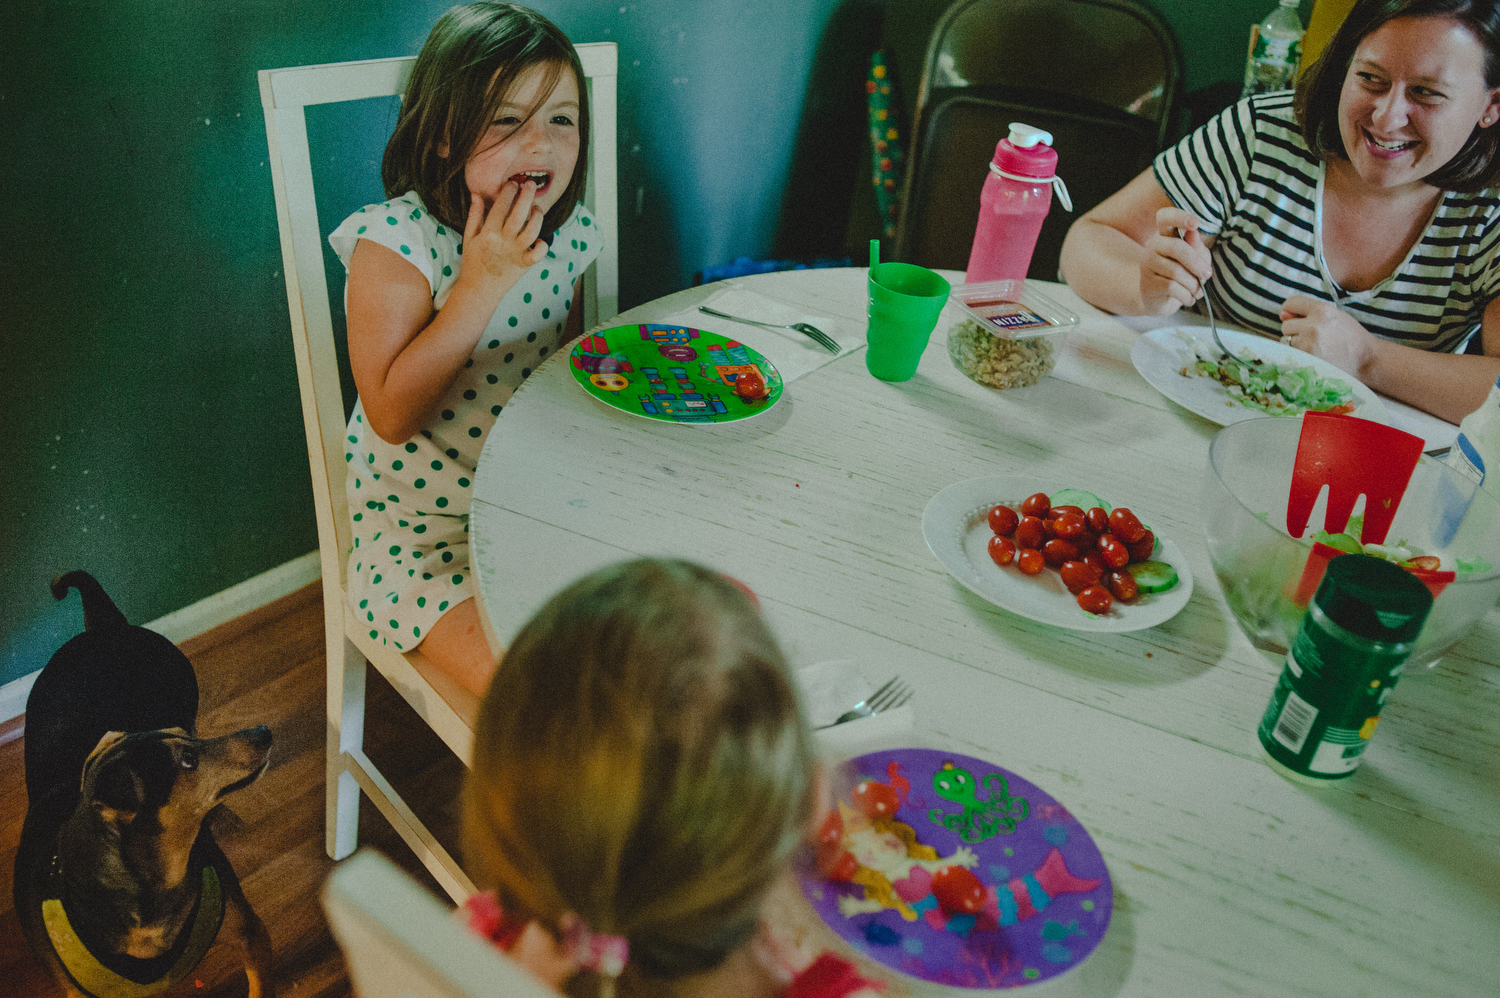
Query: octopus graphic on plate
{"x": 1008, "y": 891}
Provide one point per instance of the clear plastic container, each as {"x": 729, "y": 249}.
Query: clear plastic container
{"x": 1275, "y": 49}
{"x": 1009, "y": 338}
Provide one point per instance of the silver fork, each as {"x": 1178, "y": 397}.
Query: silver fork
{"x": 890, "y": 696}
{"x": 807, "y": 329}
{"x": 1213, "y": 327}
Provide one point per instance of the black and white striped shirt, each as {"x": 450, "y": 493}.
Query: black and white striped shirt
{"x": 1249, "y": 176}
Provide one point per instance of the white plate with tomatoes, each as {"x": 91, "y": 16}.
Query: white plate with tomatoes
{"x": 956, "y": 525}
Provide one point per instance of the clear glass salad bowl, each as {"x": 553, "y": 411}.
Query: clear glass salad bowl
{"x": 1259, "y": 564}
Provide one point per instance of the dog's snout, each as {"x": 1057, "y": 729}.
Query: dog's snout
{"x": 258, "y": 736}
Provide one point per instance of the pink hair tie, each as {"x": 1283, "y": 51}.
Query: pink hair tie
{"x": 601, "y": 953}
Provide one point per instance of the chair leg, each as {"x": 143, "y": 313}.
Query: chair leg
{"x": 346, "y": 733}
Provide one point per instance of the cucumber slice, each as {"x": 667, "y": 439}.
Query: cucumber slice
{"x": 1153, "y": 576}
{"x": 1077, "y": 497}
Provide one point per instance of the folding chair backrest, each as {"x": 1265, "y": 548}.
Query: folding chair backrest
{"x": 401, "y": 942}
{"x": 1101, "y": 75}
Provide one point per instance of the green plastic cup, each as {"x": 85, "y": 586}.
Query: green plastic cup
{"x": 905, "y": 301}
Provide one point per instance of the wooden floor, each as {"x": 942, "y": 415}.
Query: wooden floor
{"x": 267, "y": 668}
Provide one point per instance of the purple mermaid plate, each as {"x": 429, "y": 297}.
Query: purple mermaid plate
{"x": 953, "y": 870}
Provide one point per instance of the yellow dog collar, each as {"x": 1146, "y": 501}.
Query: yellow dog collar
{"x": 98, "y": 981}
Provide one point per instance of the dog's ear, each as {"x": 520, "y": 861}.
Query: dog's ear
{"x": 117, "y": 791}
{"x": 110, "y": 737}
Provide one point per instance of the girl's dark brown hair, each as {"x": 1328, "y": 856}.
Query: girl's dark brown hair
{"x": 1476, "y": 166}
{"x": 471, "y": 60}
{"x": 641, "y": 759}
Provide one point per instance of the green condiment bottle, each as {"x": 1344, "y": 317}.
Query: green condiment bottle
{"x": 1346, "y": 659}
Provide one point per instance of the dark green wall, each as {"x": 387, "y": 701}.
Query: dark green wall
{"x": 149, "y": 414}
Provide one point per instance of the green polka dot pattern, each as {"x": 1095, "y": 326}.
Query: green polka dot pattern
{"x": 418, "y": 517}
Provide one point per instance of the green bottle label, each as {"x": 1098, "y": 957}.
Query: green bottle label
{"x": 1328, "y": 699}
{"x": 1283, "y": 50}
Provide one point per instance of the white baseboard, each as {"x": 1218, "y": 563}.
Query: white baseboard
{"x": 204, "y": 615}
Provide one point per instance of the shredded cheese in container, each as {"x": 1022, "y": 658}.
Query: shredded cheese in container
{"x": 996, "y": 362}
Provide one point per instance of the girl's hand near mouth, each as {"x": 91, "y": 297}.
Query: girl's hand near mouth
{"x": 502, "y": 238}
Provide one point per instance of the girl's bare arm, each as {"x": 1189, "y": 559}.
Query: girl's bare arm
{"x": 404, "y": 354}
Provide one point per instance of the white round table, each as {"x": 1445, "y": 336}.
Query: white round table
{"x": 1228, "y": 878}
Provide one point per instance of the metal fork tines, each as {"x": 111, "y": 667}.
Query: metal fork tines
{"x": 890, "y": 696}
{"x": 805, "y": 328}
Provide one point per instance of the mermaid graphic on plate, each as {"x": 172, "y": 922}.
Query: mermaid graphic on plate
{"x": 1007, "y": 890}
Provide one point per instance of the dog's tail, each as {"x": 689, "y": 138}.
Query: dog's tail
{"x": 98, "y": 609}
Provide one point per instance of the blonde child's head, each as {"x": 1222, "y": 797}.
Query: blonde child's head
{"x": 641, "y": 760}
{"x": 471, "y": 62}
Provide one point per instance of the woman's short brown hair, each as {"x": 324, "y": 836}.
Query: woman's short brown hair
{"x": 641, "y": 759}
{"x": 471, "y": 60}
{"x": 1477, "y": 165}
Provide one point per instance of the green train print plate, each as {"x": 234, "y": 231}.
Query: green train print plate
{"x": 674, "y": 374}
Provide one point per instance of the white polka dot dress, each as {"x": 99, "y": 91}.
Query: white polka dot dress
{"x": 409, "y": 502}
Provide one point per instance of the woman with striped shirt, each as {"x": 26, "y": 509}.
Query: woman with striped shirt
{"x": 1357, "y": 218}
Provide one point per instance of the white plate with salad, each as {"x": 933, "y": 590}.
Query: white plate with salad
{"x": 957, "y": 529}
{"x": 1284, "y": 382}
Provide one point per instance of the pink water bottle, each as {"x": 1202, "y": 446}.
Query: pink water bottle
{"x": 1015, "y": 199}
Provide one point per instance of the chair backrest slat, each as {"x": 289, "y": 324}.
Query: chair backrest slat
{"x": 400, "y": 941}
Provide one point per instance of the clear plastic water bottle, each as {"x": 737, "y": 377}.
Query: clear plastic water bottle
{"x": 1476, "y": 452}
{"x": 1013, "y": 204}
{"x": 1275, "y": 51}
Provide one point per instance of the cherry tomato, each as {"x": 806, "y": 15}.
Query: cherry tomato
{"x": 1060, "y": 510}
{"x": 875, "y": 800}
{"x": 1036, "y": 505}
{"x": 1124, "y": 525}
{"x": 1029, "y": 533}
{"x": 1426, "y": 563}
{"x": 831, "y": 832}
{"x": 1049, "y": 528}
{"x": 1098, "y": 518}
{"x": 1069, "y": 526}
{"x": 1096, "y": 599}
{"x": 1030, "y": 561}
{"x": 1056, "y": 551}
{"x": 1094, "y": 560}
{"x": 1086, "y": 541}
{"x": 1003, "y": 520}
{"x": 1078, "y": 575}
{"x": 1122, "y": 584}
{"x": 958, "y": 891}
{"x": 836, "y": 863}
{"x": 1141, "y": 549}
{"x": 750, "y": 386}
{"x": 1113, "y": 551}
{"x": 1002, "y": 550}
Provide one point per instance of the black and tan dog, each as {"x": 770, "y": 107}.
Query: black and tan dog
{"x": 119, "y": 886}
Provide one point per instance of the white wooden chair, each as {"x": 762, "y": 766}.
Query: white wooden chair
{"x": 445, "y": 705}
{"x": 401, "y": 942}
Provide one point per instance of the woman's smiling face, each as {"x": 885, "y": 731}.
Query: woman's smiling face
{"x": 1412, "y": 97}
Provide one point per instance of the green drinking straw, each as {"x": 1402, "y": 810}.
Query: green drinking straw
{"x": 874, "y": 253}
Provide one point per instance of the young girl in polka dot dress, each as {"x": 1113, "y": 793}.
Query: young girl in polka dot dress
{"x": 458, "y": 288}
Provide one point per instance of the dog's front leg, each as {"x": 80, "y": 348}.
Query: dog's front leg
{"x": 250, "y": 935}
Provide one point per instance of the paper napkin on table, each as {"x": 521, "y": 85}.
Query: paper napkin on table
{"x": 793, "y": 353}
{"x": 831, "y": 688}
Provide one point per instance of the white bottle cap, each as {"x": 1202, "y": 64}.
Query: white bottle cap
{"x": 1024, "y": 136}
